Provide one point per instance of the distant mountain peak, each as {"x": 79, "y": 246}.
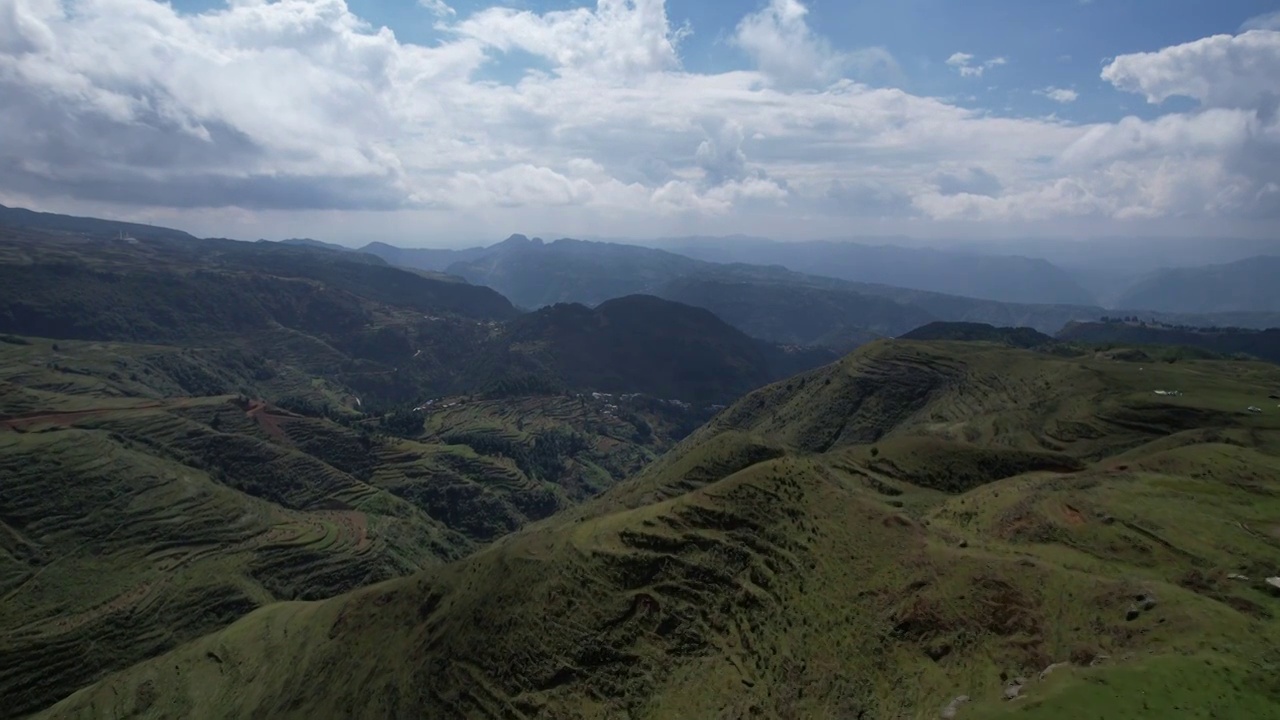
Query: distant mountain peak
{"x": 518, "y": 240}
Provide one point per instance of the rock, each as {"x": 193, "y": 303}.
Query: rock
{"x": 964, "y": 543}
{"x": 1108, "y": 520}
{"x": 953, "y": 708}
{"x": 1133, "y": 612}
{"x": 1049, "y": 670}
{"x": 1146, "y": 601}
{"x": 1238, "y": 576}
{"x": 1014, "y": 689}
{"x": 1273, "y": 584}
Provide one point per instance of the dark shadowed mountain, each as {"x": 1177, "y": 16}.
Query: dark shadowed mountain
{"x": 433, "y": 259}
{"x": 646, "y": 344}
{"x": 790, "y": 312}
{"x": 309, "y": 242}
{"x": 1250, "y": 285}
{"x": 533, "y": 273}
{"x": 1018, "y": 337}
{"x": 388, "y": 333}
{"x": 1107, "y": 267}
{"x": 1003, "y": 278}
{"x": 1264, "y": 344}
{"x": 97, "y": 227}
{"x": 162, "y": 289}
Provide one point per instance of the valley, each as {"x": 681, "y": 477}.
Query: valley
{"x": 275, "y": 479}
{"x": 919, "y": 522}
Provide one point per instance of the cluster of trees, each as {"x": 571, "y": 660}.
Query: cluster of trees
{"x": 1134, "y": 319}
{"x": 404, "y": 422}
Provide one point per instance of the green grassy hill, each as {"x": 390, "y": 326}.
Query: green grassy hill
{"x": 147, "y": 500}
{"x": 920, "y": 530}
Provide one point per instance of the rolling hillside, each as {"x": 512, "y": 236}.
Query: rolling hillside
{"x": 192, "y": 429}
{"x": 149, "y": 496}
{"x": 921, "y": 530}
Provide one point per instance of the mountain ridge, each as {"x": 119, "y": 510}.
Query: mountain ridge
{"x": 946, "y": 514}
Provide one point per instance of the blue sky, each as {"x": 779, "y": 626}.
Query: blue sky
{"x": 450, "y": 122}
{"x": 1048, "y": 43}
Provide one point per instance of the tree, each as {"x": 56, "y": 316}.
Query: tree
{"x": 405, "y": 422}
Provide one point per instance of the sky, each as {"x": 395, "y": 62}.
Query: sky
{"x": 452, "y": 122}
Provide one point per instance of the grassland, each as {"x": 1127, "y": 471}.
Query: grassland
{"x": 875, "y": 539}
{"x": 147, "y": 497}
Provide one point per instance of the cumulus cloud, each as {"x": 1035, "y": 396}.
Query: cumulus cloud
{"x": 783, "y": 46}
{"x": 300, "y": 106}
{"x": 617, "y": 38}
{"x": 721, "y": 157}
{"x": 1219, "y": 71}
{"x": 963, "y": 63}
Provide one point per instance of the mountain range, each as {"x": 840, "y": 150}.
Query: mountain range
{"x": 386, "y": 332}
{"x": 1003, "y": 278}
{"x": 260, "y": 479}
{"x": 1247, "y": 285}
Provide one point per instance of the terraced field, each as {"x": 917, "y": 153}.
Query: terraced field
{"x": 135, "y": 516}
{"x": 923, "y": 530}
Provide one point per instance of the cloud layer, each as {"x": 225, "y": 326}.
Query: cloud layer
{"x": 299, "y": 105}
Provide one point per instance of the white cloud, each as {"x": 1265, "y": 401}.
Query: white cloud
{"x": 780, "y": 42}
{"x": 438, "y": 7}
{"x": 1219, "y": 71}
{"x": 618, "y": 37}
{"x": 1060, "y": 95}
{"x": 299, "y": 111}
{"x": 963, "y": 63}
{"x": 1267, "y": 21}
